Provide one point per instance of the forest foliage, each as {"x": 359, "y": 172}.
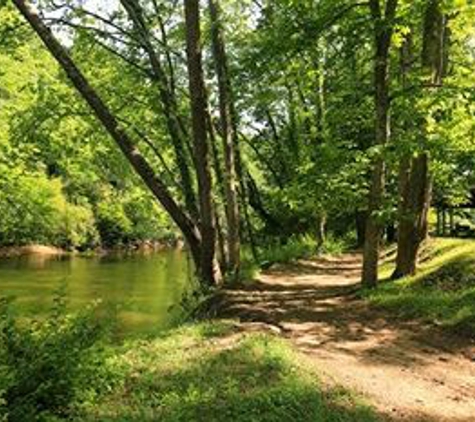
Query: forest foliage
{"x": 270, "y": 129}
{"x": 251, "y": 123}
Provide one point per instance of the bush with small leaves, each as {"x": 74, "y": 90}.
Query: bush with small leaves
{"x": 48, "y": 366}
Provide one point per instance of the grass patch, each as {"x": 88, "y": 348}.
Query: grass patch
{"x": 204, "y": 372}
{"x": 300, "y": 247}
{"x": 443, "y": 292}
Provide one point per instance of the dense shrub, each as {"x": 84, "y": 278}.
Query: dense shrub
{"x": 78, "y": 228}
{"x": 148, "y": 220}
{"x": 48, "y": 366}
{"x": 34, "y": 209}
{"x": 295, "y": 248}
{"x": 130, "y": 217}
{"x": 29, "y": 208}
{"x": 115, "y": 227}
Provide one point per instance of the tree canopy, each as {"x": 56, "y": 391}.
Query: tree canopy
{"x": 249, "y": 122}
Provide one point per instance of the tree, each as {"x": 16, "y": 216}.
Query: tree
{"x": 208, "y": 267}
{"x": 416, "y": 184}
{"x": 296, "y": 103}
{"x": 167, "y": 97}
{"x": 383, "y": 30}
{"x": 229, "y": 137}
{"x": 201, "y": 250}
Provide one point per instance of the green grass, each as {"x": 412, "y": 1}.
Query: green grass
{"x": 300, "y": 247}
{"x": 443, "y": 292}
{"x": 208, "y": 372}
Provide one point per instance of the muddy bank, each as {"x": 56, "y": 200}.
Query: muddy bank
{"x": 42, "y": 250}
{"x": 52, "y": 251}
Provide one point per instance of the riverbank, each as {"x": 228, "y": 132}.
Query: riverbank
{"x": 49, "y": 250}
{"x": 40, "y": 250}
{"x": 66, "y": 368}
{"x": 301, "y": 343}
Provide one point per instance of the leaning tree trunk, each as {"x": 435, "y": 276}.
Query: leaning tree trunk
{"x": 110, "y": 123}
{"x": 383, "y": 30}
{"x": 208, "y": 263}
{"x": 167, "y": 99}
{"x": 229, "y": 136}
{"x": 415, "y": 203}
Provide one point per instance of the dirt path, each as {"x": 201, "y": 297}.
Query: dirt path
{"x": 410, "y": 372}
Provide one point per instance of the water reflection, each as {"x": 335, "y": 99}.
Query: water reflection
{"x": 145, "y": 285}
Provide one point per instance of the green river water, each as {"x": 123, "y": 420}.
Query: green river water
{"x": 147, "y": 288}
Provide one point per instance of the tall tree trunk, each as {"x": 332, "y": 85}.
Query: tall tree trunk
{"x": 439, "y": 222}
{"x": 413, "y": 217}
{"x": 243, "y": 196}
{"x": 444, "y": 222}
{"x": 208, "y": 266}
{"x": 272, "y": 224}
{"x": 360, "y": 226}
{"x": 167, "y": 99}
{"x": 451, "y": 222}
{"x": 415, "y": 203}
{"x": 223, "y": 257}
{"x": 229, "y": 136}
{"x": 383, "y": 30}
{"x": 220, "y": 242}
{"x": 112, "y": 126}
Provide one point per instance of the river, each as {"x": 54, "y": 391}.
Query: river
{"x": 147, "y": 287}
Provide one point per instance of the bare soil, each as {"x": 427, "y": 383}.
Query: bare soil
{"x": 409, "y": 371}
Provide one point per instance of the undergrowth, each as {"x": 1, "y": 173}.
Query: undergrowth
{"x": 49, "y": 366}
{"x": 209, "y": 372}
{"x": 298, "y": 247}
{"x": 65, "y": 367}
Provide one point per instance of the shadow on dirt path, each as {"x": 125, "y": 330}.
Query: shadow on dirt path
{"x": 409, "y": 371}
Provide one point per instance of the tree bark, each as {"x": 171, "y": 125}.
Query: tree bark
{"x": 273, "y": 225}
{"x": 229, "y": 137}
{"x": 444, "y": 222}
{"x": 208, "y": 267}
{"x": 413, "y": 218}
{"x": 391, "y": 232}
{"x": 383, "y": 30}
{"x": 451, "y": 222}
{"x": 439, "y": 223}
{"x": 219, "y": 182}
{"x": 360, "y": 226}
